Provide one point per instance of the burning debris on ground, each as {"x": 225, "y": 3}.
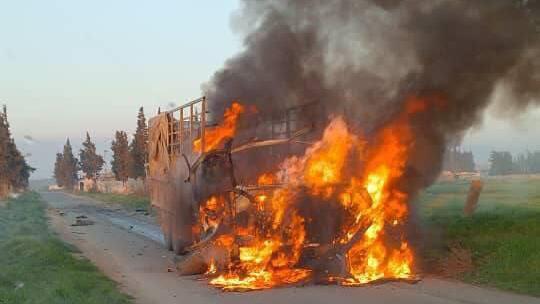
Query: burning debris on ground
{"x": 324, "y": 194}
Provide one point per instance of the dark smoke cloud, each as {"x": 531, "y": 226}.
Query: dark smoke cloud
{"x": 363, "y": 58}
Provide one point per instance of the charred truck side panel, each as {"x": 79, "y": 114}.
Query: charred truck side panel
{"x": 171, "y": 137}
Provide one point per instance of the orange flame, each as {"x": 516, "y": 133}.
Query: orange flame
{"x": 214, "y": 136}
{"x": 373, "y": 257}
{"x": 362, "y": 176}
{"x": 325, "y": 159}
{"x": 268, "y": 261}
{"x": 208, "y": 212}
{"x": 266, "y": 179}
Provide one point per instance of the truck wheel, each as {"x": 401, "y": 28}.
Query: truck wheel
{"x": 166, "y": 228}
{"x": 179, "y": 246}
{"x": 168, "y": 240}
{"x": 181, "y": 224}
{"x": 181, "y": 236}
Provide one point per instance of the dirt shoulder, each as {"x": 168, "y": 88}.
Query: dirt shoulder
{"x": 141, "y": 266}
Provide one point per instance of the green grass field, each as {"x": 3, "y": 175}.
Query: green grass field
{"x": 503, "y": 235}
{"x": 129, "y": 202}
{"x": 36, "y": 267}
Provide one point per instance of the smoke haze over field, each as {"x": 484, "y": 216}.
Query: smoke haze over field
{"x": 364, "y": 58}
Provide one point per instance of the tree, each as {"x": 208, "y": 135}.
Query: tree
{"x": 121, "y": 162}
{"x": 533, "y": 162}
{"x": 468, "y": 162}
{"x": 15, "y": 171}
{"x": 501, "y": 163}
{"x": 4, "y": 139}
{"x": 139, "y": 147}
{"x": 18, "y": 167}
{"x": 59, "y": 170}
{"x": 520, "y": 164}
{"x": 91, "y": 163}
{"x": 527, "y": 163}
{"x": 456, "y": 160}
{"x": 69, "y": 166}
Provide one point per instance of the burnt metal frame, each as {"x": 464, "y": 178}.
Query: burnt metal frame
{"x": 185, "y": 125}
{"x": 189, "y": 126}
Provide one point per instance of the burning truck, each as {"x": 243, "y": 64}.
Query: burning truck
{"x": 276, "y": 189}
{"x": 255, "y": 201}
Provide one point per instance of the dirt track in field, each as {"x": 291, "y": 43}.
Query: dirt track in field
{"x": 128, "y": 249}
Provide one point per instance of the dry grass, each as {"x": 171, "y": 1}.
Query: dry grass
{"x": 456, "y": 263}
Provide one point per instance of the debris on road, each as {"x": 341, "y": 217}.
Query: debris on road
{"x": 82, "y": 222}
{"x": 191, "y": 264}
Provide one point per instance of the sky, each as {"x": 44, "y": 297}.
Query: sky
{"x": 67, "y": 67}
{"x": 71, "y": 66}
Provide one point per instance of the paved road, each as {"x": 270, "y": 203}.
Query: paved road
{"x": 129, "y": 251}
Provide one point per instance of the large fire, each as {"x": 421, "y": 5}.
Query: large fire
{"x": 343, "y": 171}
{"x": 214, "y": 136}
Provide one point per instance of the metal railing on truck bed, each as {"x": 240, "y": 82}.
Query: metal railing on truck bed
{"x": 189, "y": 122}
{"x": 186, "y": 124}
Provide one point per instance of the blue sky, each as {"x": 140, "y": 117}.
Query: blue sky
{"x": 69, "y": 66}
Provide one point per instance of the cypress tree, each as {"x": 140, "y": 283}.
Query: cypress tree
{"x": 91, "y": 163}
{"x": 15, "y": 170}
{"x": 69, "y": 166}
{"x": 4, "y": 139}
{"x": 121, "y": 156}
{"x": 139, "y": 147}
{"x": 19, "y": 170}
{"x": 59, "y": 170}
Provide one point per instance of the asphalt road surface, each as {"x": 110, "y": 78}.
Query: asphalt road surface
{"x": 129, "y": 250}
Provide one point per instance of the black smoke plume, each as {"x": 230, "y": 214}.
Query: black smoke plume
{"x": 363, "y": 58}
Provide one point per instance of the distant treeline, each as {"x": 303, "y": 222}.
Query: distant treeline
{"x": 129, "y": 159}
{"x": 458, "y": 161}
{"x": 503, "y": 163}
{"x": 14, "y": 170}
